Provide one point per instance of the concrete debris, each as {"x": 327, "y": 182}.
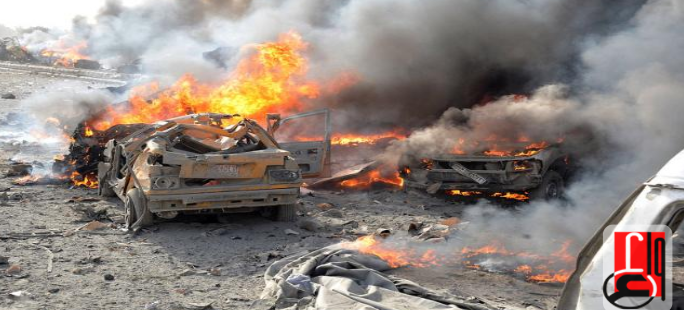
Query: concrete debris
{"x": 383, "y": 232}
{"x": 17, "y": 294}
{"x": 291, "y": 232}
{"x": 19, "y": 170}
{"x": 434, "y": 231}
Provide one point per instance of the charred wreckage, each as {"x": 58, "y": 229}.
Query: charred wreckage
{"x": 530, "y": 172}
{"x": 191, "y": 164}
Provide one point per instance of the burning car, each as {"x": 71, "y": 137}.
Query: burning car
{"x": 521, "y": 172}
{"x": 191, "y": 164}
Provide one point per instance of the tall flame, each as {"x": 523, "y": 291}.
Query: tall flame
{"x": 271, "y": 79}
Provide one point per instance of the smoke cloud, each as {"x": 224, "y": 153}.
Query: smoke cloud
{"x": 628, "y": 95}
{"x": 609, "y": 71}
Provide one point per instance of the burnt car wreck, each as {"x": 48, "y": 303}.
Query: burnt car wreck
{"x": 529, "y": 174}
{"x": 191, "y": 164}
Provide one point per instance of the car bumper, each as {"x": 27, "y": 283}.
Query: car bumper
{"x": 221, "y": 200}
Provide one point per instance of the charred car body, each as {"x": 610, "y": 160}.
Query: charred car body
{"x": 540, "y": 173}
{"x": 191, "y": 164}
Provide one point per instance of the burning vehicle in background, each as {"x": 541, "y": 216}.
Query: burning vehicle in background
{"x": 519, "y": 171}
{"x": 191, "y": 164}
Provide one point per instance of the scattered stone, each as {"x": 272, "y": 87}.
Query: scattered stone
{"x": 95, "y": 225}
{"x": 291, "y": 232}
{"x": 152, "y": 306}
{"x": 8, "y": 96}
{"x": 334, "y": 213}
{"x": 18, "y": 294}
{"x": 236, "y": 238}
{"x": 13, "y": 270}
{"x": 215, "y": 271}
{"x": 4, "y": 260}
{"x": 324, "y": 206}
{"x": 310, "y": 224}
{"x": 108, "y": 277}
{"x": 53, "y": 290}
{"x": 16, "y": 197}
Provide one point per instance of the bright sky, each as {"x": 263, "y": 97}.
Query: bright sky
{"x": 48, "y": 13}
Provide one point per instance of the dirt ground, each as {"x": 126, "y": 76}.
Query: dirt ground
{"x": 190, "y": 261}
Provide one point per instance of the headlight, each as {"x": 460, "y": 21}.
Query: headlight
{"x": 165, "y": 183}
{"x": 523, "y": 165}
{"x": 284, "y": 175}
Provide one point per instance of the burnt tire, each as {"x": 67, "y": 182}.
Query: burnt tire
{"x": 286, "y": 213}
{"x": 551, "y": 187}
{"x": 136, "y": 211}
{"x": 104, "y": 190}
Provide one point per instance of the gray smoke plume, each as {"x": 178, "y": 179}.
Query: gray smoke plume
{"x": 629, "y": 95}
{"x": 414, "y": 58}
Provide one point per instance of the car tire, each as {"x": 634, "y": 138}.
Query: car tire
{"x": 550, "y": 188}
{"x": 136, "y": 210}
{"x": 104, "y": 189}
{"x": 286, "y": 213}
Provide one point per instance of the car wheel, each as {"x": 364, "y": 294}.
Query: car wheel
{"x": 550, "y": 188}
{"x": 286, "y": 213}
{"x": 136, "y": 210}
{"x": 103, "y": 189}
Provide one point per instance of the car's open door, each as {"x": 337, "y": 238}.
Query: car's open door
{"x": 307, "y": 137}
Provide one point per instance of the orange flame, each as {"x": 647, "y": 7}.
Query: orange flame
{"x": 514, "y": 196}
{"x": 89, "y": 180}
{"x": 497, "y": 146}
{"x": 372, "y": 178}
{"x": 394, "y": 258}
{"x": 506, "y": 195}
{"x": 66, "y": 56}
{"x": 555, "y": 267}
{"x": 356, "y": 139}
{"x": 270, "y": 80}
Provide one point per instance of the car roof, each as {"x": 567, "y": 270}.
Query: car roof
{"x": 672, "y": 173}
